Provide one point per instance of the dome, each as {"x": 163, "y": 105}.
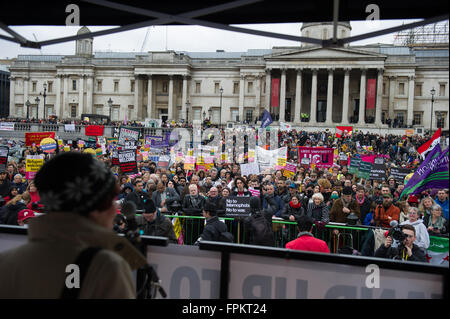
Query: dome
{"x": 345, "y": 24}
{"x": 325, "y": 30}
{"x": 83, "y": 30}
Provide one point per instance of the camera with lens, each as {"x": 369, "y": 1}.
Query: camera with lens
{"x": 396, "y": 234}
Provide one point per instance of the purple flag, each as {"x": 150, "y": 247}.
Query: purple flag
{"x": 432, "y": 173}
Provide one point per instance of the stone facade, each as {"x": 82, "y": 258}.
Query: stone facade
{"x": 326, "y": 84}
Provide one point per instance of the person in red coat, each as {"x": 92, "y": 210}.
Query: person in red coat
{"x": 305, "y": 240}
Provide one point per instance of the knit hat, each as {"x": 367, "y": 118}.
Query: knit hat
{"x": 347, "y": 191}
{"x": 387, "y": 195}
{"x": 25, "y": 214}
{"x": 149, "y": 207}
{"x": 75, "y": 182}
{"x": 413, "y": 199}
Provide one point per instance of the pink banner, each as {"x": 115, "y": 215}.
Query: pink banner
{"x": 368, "y": 158}
{"x": 320, "y": 156}
{"x": 371, "y": 89}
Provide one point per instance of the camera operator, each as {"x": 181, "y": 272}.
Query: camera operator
{"x": 406, "y": 250}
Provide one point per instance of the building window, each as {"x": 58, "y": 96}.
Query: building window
{"x": 116, "y": 86}
{"x": 99, "y": 86}
{"x": 33, "y": 87}
{"x": 74, "y": 85}
{"x": 384, "y": 88}
{"x": 441, "y": 89}
{"x": 130, "y": 111}
{"x": 115, "y": 114}
{"x": 197, "y": 114}
{"x": 250, "y": 87}
{"x": 197, "y": 87}
{"x": 216, "y": 115}
{"x": 236, "y": 88}
{"x": 49, "y": 111}
{"x": 440, "y": 119}
{"x": 417, "y": 118}
{"x": 216, "y": 88}
{"x": 19, "y": 111}
{"x": 235, "y": 115}
{"x": 132, "y": 86}
{"x": 400, "y": 118}
{"x": 401, "y": 88}
{"x": 98, "y": 109}
{"x": 73, "y": 111}
{"x": 165, "y": 87}
{"x": 50, "y": 87}
{"x": 418, "y": 89}
{"x": 249, "y": 116}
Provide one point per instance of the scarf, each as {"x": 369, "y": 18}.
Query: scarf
{"x": 344, "y": 203}
{"x": 360, "y": 202}
{"x": 295, "y": 206}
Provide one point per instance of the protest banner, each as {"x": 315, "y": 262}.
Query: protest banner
{"x": 289, "y": 170}
{"x": 237, "y": 206}
{"x": 399, "y": 174}
{"x": 127, "y": 161}
{"x": 48, "y": 145}
{"x": 321, "y": 157}
{"x": 69, "y": 127}
{"x": 343, "y": 159}
{"x": 33, "y": 164}
{"x": 6, "y": 126}
{"x": 4, "y": 151}
{"x": 249, "y": 169}
{"x": 255, "y": 192}
{"x": 354, "y": 165}
{"x": 378, "y": 172}
{"x": 163, "y": 161}
{"x": 93, "y": 130}
{"x": 364, "y": 169}
{"x": 270, "y": 159}
{"x": 127, "y": 134}
{"x": 37, "y": 137}
{"x": 189, "y": 163}
{"x": 437, "y": 252}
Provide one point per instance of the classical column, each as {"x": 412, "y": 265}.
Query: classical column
{"x": 170, "y": 106}
{"x": 362, "y": 98}
{"x": 268, "y": 86}
{"x": 298, "y": 96}
{"x": 58, "y": 96}
{"x": 391, "y": 97}
{"x": 379, "y": 98}
{"x": 345, "y": 97}
{"x": 258, "y": 95}
{"x": 329, "y": 119}
{"x": 89, "y": 94}
{"x": 150, "y": 96}
{"x": 136, "y": 97}
{"x": 410, "y": 114}
{"x": 81, "y": 96}
{"x": 283, "y": 96}
{"x": 12, "y": 104}
{"x": 313, "y": 112}
{"x": 241, "y": 98}
{"x": 25, "y": 96}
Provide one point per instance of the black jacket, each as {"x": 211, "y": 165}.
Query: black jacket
{"x": 161, "y": 226}
{"x": 253, "y": 235}
{"x": 138, "y": 198}
{"x": 395, "y": 253}
{"x": 364, "y": 209}
{"x": 219, "y": 201}
{"x": 213, "y": 228}
{"x": 11, "y": 212}
{"x": 289, "y": 210}
{"x": 193, "y": 210}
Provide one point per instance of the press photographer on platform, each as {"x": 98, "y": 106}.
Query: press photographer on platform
{"x": 406, "y": 250}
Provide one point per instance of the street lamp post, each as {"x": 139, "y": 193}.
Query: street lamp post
{"x": 433, "y": 91}
{"x": 44, "y": 95}
{"x": 110, "y": 102}
{"x": 204, "y": 115}
{"x": 28, "y": 108}
{"x": 187, "y": 111}
{"x": 220, "y": 121}
{"x": 37, "y": 110}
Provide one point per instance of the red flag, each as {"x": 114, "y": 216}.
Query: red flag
{"x": 429, "y": 145}
{"x": 275, "y": 93}
{"x": 371, "y": 89}
{"x": 343, "y": 131}
{"x": 94, "y": 130}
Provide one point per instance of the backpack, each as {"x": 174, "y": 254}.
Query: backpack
{"x": 226, "y": 237}
{"x": 261, "y": 231}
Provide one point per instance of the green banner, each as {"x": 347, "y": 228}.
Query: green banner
{"x": 438, "y": 244}
{"x": 364, "y": 170}
{"x": 354, "y": 165}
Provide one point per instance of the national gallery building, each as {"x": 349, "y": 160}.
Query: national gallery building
{"x": 371, "y": 86}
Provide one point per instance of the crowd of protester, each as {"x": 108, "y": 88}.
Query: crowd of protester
{"x": 322, "y": 195}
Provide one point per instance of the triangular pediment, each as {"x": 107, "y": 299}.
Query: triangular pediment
{"x": 324, "y": 53}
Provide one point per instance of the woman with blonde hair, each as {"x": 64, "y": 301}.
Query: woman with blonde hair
{"x": 425, "y": 206}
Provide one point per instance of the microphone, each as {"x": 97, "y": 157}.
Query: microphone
{"x": 393, "y": 223}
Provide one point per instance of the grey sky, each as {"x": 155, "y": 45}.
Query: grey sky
{"x": 180, "y": 38}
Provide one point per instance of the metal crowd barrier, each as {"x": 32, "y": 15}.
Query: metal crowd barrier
{"x": 284, "y": 232}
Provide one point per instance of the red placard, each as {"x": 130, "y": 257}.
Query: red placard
{"x": 37, "y": 137}
{"x": 371, "y": 89}
{"x": 275, "y": 93}
{"x": 93, "y": 130}
{"x": 321, "y": 157}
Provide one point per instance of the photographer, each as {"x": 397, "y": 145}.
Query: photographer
{"x": 407, "y": 250}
